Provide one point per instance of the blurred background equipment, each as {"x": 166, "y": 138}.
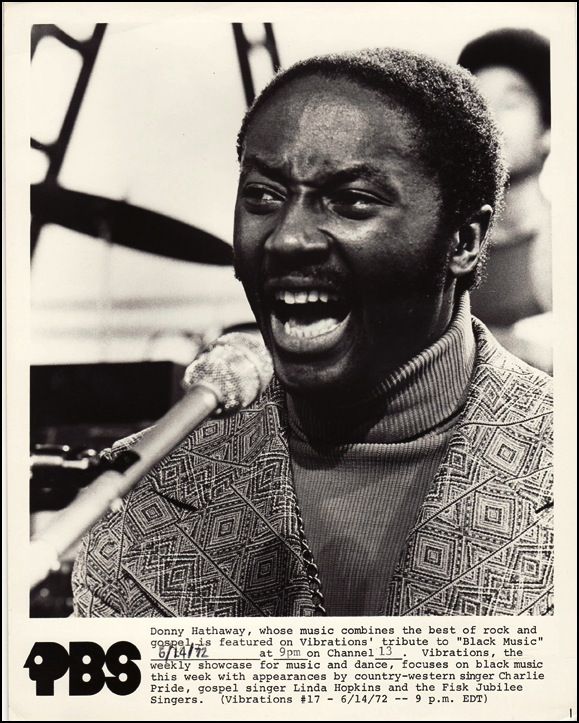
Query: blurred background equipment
{"x": 75, "y": 410}
{"x": 96, "y": 403}
{"x": 246, "y": 48}
{"x": 55, "y": 149}
{"x": 57, "y": 472}
{"x": 122, "y": 223}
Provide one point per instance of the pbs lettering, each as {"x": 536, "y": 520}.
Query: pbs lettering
{"x": 84, "y": 662}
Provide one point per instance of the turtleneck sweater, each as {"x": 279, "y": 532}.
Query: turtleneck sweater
{"x": 361, "y": 471}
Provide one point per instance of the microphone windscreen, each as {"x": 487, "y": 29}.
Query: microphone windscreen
{"x": 237, "y": 367}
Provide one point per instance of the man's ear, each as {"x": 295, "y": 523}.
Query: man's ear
{"x": 467, "y": 242}
{"x": 545, "y": 143}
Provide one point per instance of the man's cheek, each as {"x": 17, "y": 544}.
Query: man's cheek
{"x": 247, "y": 274}
{"x": 242, "y": 262}
{"x": 389, "y": 280}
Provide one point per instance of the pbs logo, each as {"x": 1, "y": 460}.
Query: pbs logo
{"x": 85, "y": 663}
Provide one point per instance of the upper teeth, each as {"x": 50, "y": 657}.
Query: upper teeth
{"x": 304, "y": 297}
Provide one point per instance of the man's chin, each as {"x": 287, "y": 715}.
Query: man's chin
{"x": 315, "y": 383}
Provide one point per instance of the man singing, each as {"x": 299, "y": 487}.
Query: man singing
{"x": 400, "y": 461}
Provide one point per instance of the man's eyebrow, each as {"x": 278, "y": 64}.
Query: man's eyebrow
{"x": 352, "y": 173}
{"x": 251, "y": 163}
{"x": 362, "y": 171}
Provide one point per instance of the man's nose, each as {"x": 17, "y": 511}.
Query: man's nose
{"x": 298, "y": 232}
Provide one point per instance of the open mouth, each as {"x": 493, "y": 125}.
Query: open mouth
{"x": 308, "y": 319}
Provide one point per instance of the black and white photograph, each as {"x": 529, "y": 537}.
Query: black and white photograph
{"x": 291, "y": 317}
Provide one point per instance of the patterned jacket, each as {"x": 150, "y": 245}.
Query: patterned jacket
{"x": 214, "y": 529}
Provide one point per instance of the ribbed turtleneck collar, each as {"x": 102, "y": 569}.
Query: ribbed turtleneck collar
{"x": 419, "y": 397}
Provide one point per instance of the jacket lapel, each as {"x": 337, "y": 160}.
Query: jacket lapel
{"x": 482, "y": 542}
{"x": 227, "y": 539}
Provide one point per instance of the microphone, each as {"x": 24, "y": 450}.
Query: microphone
{"x": 227, "y": 376}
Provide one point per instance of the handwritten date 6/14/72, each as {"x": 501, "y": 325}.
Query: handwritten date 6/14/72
{"x": 182, "y": 652}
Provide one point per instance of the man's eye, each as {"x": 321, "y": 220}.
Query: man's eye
{"x": 261, "y": 199}
{"x": 355, "y": 204}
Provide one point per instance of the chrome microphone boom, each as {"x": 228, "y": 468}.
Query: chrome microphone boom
{"x": 229, "y": 375}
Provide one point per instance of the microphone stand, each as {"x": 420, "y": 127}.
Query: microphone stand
{"x": 119, "y": 477}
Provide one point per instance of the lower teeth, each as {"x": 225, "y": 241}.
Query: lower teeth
{"x": 316, "y": 328}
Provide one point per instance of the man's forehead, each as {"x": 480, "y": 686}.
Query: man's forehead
{"x": 339, "y": 120}
{"x": 341, "y": 100}
{"x": 293, "y": 107}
